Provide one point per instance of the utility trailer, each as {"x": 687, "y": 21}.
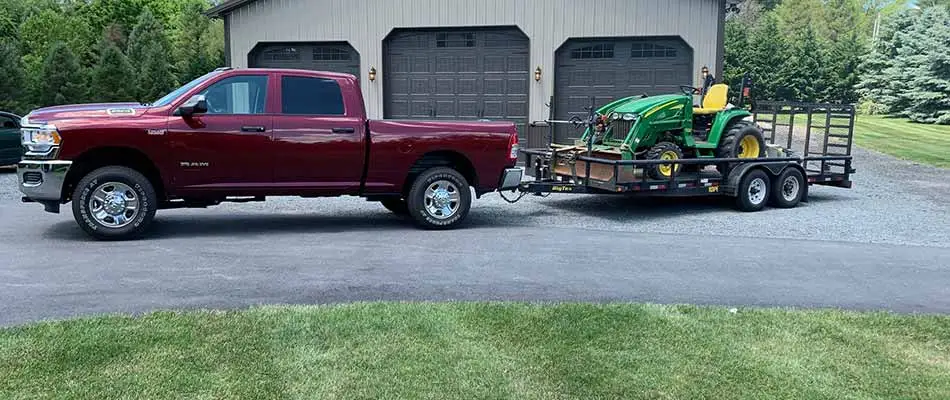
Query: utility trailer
{"x": 807, "y": 144}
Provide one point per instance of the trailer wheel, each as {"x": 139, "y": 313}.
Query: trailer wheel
{"x": 753, "y": 191}
{"x": 396, "y": 205}
{"x": 439, "y": 198}
{"x": 788, "y": 189}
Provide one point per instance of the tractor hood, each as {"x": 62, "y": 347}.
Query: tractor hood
{"x": 640, "y": 105}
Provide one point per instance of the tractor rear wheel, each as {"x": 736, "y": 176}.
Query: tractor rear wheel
{"x": 664, "y": 151}
{"x": 742, "y": 139}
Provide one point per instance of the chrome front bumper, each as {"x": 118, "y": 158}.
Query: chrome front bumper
{"x": 511, "y": 178}
{"x": 42, "y": 180}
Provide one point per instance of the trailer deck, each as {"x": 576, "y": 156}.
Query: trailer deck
{"x": 822, "y": 153}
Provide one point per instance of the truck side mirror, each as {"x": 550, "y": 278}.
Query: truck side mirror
{"x": 195, "y": 105}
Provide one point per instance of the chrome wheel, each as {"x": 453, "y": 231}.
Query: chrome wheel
{"x": 442, "y": 199}
{"x": 790, "y": 188}
{"x": 757, "y": 191}
{"x": 114, "y": 204}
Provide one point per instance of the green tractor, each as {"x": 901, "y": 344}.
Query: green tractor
{"x": 669, "y": 127}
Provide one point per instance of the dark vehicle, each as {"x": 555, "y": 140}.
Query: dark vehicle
{"x": 11, "y": 150}
{"x": 245, "y": 134}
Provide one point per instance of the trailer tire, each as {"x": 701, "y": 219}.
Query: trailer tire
{"x": 125, "y": 198}
{"x": 788, "y": 189}
{"x": 396, "y": 205}
{"x": 439, "y": 198}
{"x": 753, "y": 191}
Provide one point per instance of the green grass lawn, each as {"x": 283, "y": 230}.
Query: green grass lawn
{"x": 928, "y": 144}
{"x": 481, "y": 350}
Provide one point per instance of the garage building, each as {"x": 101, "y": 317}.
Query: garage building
{"x": 519, "y": 60}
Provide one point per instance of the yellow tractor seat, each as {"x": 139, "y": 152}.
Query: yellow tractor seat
{"x": 714, "y": 101}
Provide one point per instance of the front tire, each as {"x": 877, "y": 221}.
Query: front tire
{"x": 439, "y": 199}
{"x": 753, "y": 191}
{"x": 114, "y": 203}
{"x": 664, "y": 151}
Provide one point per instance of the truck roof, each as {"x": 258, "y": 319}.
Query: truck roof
{"x": 295, "y": 71}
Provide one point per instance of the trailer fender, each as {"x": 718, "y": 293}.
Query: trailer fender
{"x": 731, "y": 183}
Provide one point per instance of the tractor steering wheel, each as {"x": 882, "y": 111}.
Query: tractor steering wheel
{"x": 689, "y": 90}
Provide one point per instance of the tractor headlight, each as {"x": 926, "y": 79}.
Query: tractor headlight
{"x": 40, "y": 139}
{"x": 614, "y": 116}
{"x": 629, "y": 117}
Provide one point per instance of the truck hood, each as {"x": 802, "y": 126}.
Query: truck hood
{"x": 92, "y": 110}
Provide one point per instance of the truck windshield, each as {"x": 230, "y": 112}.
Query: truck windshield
{"x": 168, "y": 98}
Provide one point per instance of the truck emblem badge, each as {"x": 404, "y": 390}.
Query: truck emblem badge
{"x": 120, "y": 111}
{"x": 193, "y": 164}
{"x": 156, "y": 132}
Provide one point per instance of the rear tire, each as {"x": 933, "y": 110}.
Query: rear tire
{"x": 730, "y": 144}
{"x": 788, "y": 189}
{"x": 114, "y": 203}
{"x": 396, "y": 205}
{"x": 753, "y": 191}
{"x": 439, "y": 198}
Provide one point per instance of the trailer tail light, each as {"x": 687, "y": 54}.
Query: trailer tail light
{"x": 513, "y": 146}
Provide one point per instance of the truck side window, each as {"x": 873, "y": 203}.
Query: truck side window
{"x": 310, "y": 96}
{"x": 245, "y": 94}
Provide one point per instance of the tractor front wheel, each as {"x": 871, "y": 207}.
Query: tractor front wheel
{"x": 664, "y": 151}
{"x": 742, "y": 139}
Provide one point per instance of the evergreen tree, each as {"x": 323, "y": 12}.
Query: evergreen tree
{"x": 805, "y": 73}
{"x": 112, "y": 74}
{"x": 928, "y": 97}
{"x": 879, "y": 70}
{"x": 62, "y": 78}
{"x": 190, "y": 50}
{"x": 155, "y": 79}
{"x": 11, "y": 78}
{"x": 767, "y": 59}
{"x": 148, "y": 36}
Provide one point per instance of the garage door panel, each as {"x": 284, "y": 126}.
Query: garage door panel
{"x": 316, "y": 56}
{"x": 485, "y": 71}
{"x": 420, "y": 109}
{"x": 608, "y": 69}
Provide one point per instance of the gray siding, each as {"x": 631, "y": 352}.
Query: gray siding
{"x": 547, "y": 23}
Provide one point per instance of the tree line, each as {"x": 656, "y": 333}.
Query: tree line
{"x": 887, "y": 56}
{"x": 74, "y": 51}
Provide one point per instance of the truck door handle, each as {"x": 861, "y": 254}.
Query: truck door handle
{"x": 256, "y": 128}
{"x": 344, "y": 130}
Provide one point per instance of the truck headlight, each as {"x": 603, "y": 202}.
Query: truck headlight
{"x": 40, "y": 139}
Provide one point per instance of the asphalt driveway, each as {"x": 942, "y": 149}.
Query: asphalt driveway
{"x": 883, "y": 245}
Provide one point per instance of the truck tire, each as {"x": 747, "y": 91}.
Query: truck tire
{"x": 664, "y": 151}
{"x": 788, "y": 189}
{"x": 396, "y": 205}
{"x": 114, "y": 203}
{"x": 753, "y": 191}
{"x": 731, "y": 143}
{"x": 439, "y": 199}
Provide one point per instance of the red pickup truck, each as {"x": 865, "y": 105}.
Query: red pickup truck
{"x": 244, "y": 134}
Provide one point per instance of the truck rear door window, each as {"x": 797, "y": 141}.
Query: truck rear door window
{"x": 310, "y": 96}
